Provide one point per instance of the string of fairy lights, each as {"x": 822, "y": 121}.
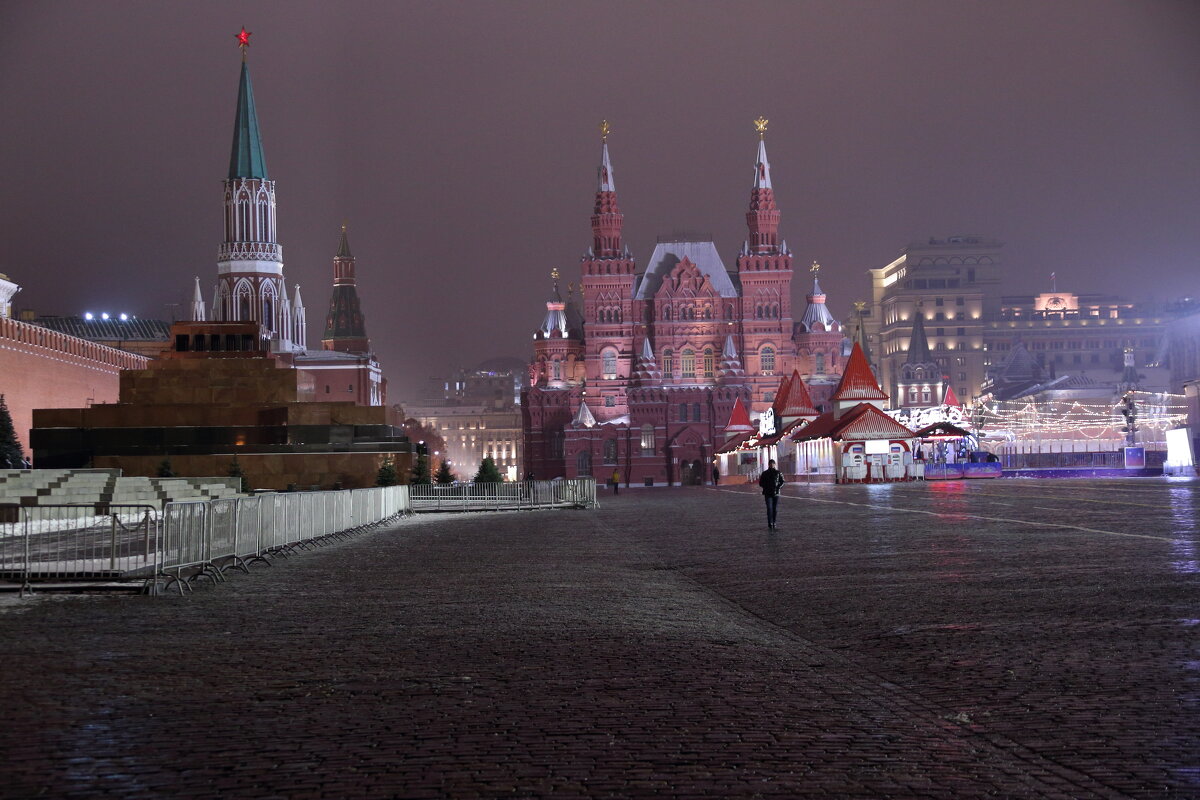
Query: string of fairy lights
{"x": 1157, "y": 412}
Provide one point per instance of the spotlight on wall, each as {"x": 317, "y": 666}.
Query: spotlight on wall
{"x": 88, "y": 315}
{"x": 104, "y": 315}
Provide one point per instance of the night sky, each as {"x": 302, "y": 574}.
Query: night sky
{"x": 459, "y": 140}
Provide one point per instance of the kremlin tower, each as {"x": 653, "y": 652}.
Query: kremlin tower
{"x": 250, "y": 284}
{"x": 345, "y": 329}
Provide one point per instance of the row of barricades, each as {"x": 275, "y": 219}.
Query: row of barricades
{"x": 514, "y": 495}
{"x": 205, "y": 537}
{"x": 191, "y": 539}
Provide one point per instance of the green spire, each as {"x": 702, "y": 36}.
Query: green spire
{"x": 344, "y": 246}
{"x": 247, "y": 160}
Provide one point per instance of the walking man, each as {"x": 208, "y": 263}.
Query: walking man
{"x": 771, "y": 482}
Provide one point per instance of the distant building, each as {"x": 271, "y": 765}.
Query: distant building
{"x": 955, "y": 284}
{"x": 1087, "y": 337}
{"x": 147, "y": 337}
{"x": 7, "y": 290}
{"x": 477, "y": 416}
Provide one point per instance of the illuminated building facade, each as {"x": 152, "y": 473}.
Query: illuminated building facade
{"x": 640, "y": 374}
{"x": 475, "y": 412}
{"x": 955, "y": 284}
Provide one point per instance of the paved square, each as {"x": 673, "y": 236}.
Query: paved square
{"x": 991, "y": 638}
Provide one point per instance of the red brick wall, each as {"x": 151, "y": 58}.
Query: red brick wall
{"x": 40, "y": 368}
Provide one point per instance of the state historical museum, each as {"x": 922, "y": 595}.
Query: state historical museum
{"x": 639, "y": 372}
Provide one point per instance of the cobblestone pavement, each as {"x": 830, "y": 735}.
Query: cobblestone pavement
{"x": 990, "y": 638}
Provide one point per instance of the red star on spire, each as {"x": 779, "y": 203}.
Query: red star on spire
{"x": 243, "y": 38}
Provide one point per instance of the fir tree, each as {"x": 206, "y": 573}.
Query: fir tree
{"x": 444, "y": 475}
{"x": 11, "y": 454}
{"x": 488, "y": 473}
{"x": 420, "y": 471}
{"x": 235, "y": 471}
{"x": 387, "y": 475}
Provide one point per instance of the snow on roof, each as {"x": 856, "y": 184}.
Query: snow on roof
{"x": 667, "y": 254}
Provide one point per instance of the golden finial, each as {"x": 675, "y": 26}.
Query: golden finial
{"x": 554, "y": 273}
{"x": 760, "y": 125}
{"x": 604, "y": 129}
{"x": 814, "y": 269}
{"x": 343, "y": 226}
{"x": 860, "y": 306}
{"x": 570, "y": 287}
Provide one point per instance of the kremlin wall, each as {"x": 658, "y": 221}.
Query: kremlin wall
{"x": 45, "y": 369}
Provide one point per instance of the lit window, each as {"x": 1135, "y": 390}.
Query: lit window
{"x": 609, "y": 367}
{"x": 709, "y": 362}
{"x": 647, "y": 438}
{"x": 820, "y": 363}
{"x": 767, "y": 359}
{"x": 668, "y": 362}
{"x": 687, "y": 362}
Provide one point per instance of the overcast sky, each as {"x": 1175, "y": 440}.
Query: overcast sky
{"x": 459, "y": 140}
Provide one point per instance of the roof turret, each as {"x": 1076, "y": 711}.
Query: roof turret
{"x": 858, "y": 382}
{"x": 731, "y": 370}
{"x": 816, "y": 315}
{"x": 918, "y": 343}
{"x": 584, "y": 416}
{"x": 739, "y": 419}
{"x": 648, "y": 373}
{"x": 796, "y": 403}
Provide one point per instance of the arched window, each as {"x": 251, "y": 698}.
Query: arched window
{"x": 583, "y": 463}
{"x": 709, "y": 362}
{"x": 668, "y": 362}
{"x": 820, "y": 363}
{"x": 767, "y": 359}
{"x": 617, "y": 314}
{"x": 708, "y": 312}
{"x": 758, "y": 312}
{"x": 610, "y": 451}
{"x": 244, "y": 306}
{"x": 687, "y": 363}
{"x": 729, "y": 312}
{"x": 647, "y": 438}
{"x": 556, "y": 370}
{"x": 695, "y": 412}
{"x": 667, "y": 313}
{"x": 609, "y": 367}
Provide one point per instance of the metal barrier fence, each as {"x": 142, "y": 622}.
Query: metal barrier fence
{"x": 96, "y": 541}
{"x": 190, "y": 539}
{"x": 1103, "y": 459}
{"x": 207, "y": 537}
{"x": 523, "y": 495}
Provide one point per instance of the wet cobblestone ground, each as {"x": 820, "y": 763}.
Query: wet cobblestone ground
{"x": 992, "y": 638}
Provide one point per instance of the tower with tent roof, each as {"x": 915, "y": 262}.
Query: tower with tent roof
{"x": 645, "y": 380}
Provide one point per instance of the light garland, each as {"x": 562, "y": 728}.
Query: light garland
{"x": 1021, "y": 419}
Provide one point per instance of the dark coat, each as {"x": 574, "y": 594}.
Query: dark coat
{"x": 771, "y": 481}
